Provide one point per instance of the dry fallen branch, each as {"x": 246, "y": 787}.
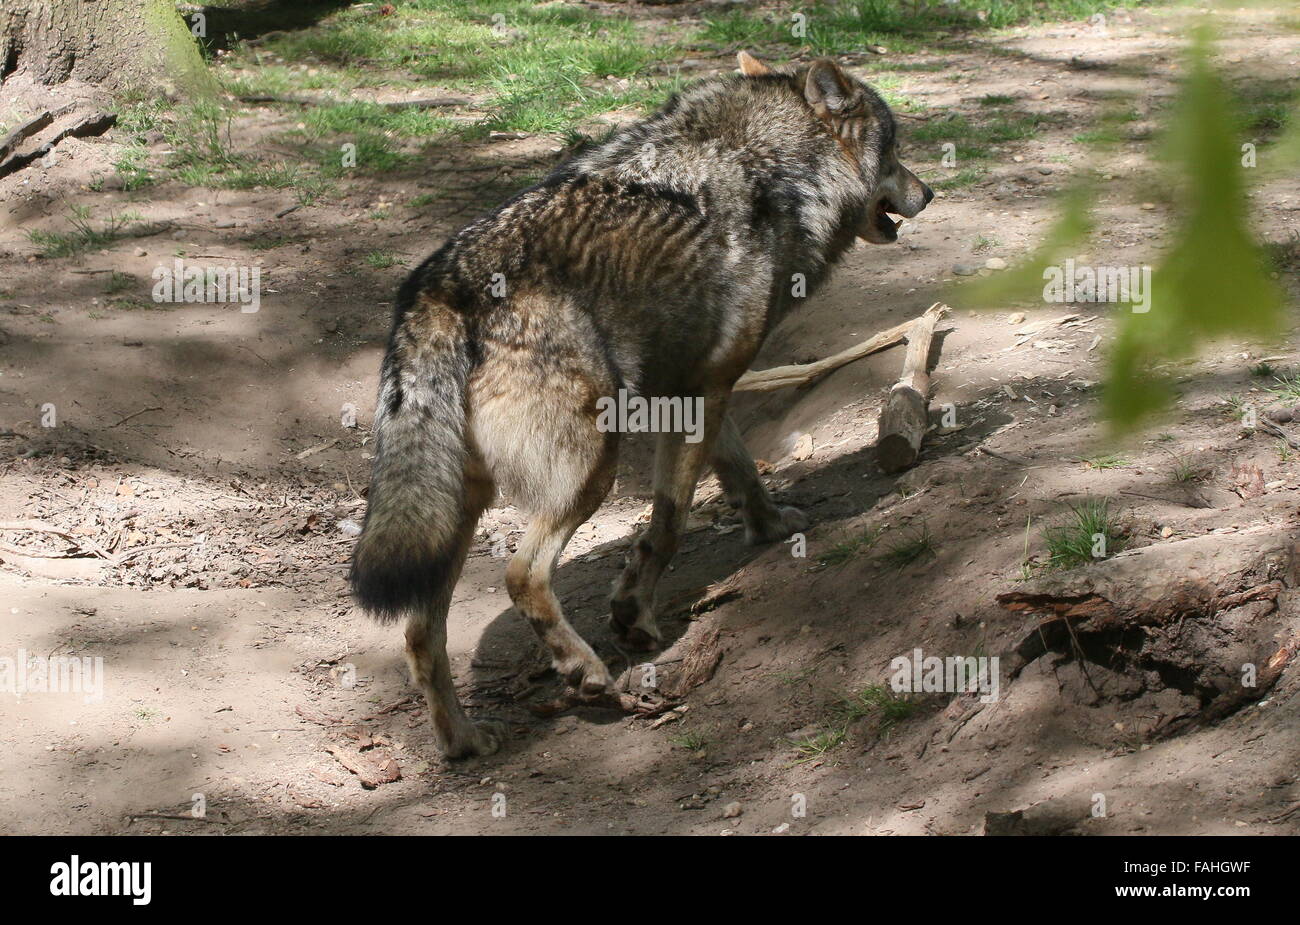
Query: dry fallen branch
{"x": 644, "y": 705}
{"x": 781, "y": 377}
{"x": 29, "y": 128}
{"x": 35, "y": 526}
{"x": 318, "y": 448}
{"x": 131, "y": 417}
{"x": 178, "y": 817}
{"x": 1025, "y": 335}
{"x": 435, "y": 102}
{"x": 1267, "y": 425}
{"x": 93, "y": 124}
{"x": 123, "y": 557}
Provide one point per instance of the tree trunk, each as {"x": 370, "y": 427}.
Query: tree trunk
{"x": 133, "y": 45}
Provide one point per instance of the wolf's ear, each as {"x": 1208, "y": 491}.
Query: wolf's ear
{"x": 826, "y": 85}
{"x": 751, "y": 66}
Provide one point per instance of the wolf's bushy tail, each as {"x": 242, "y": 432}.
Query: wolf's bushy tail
{"x": 408, "y": 544}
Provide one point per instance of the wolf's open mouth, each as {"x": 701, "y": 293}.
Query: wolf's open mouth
{"x": 884, "y": 224}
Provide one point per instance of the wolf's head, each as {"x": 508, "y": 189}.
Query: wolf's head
{"x": 864, "y": 127}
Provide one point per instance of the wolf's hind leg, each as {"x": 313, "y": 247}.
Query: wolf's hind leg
{"x": 541, "y": 442}
{"x": 528, "y": 578}
{"x": 678, "y": 465}
{"x": 764, "y": 521}
{"x": 426, "y": 651}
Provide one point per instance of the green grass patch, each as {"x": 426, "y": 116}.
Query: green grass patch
{"x": 84, "y": 235}
{"x": 135, "y": 121}
{"x": 850, "y": 548}
{"x": 837, "y": 28}
{"x": 972, "y": 140}
{"x": 132, "y": 166}
{"x": 874, "y": 702}
{"x": 1184, "y": 470}
{"x": 118, "y": 282}
{"x": 816, "y": 745}
{"x": 912, "y": 547}
{"x": 1267, "y": 105}
{"x": 1103, "y": 461}
{"x": 1097, "y": 136}
{"x": 1283, "y": 255}
{"x": 382, "y": 260}
{"x": 688, "y": 739}
{"x": 878, "y": 701}
{"x": 1090, "y": 533}
{"x": 545, "y": 67}
{"x": 1288, "y": 387}
{"x": 967, "y": 176}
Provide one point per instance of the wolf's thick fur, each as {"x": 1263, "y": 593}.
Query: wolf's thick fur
{"x": 657, "y": 263}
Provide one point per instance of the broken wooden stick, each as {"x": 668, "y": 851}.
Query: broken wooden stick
{"x": 906, "y": 415}
{"x": 96, "y": 123}
{"x": 35, "y": 526}
{"x": 29, "y": 128}
{"x": 434, "y": 102}
{"x": 1270, "y": 427}
{"x": 781, "y": 377}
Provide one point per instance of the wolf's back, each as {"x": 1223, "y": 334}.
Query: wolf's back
{"x": 402, "y": 559}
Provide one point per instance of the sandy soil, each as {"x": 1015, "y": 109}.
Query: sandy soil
{"x": 211, "y": 552}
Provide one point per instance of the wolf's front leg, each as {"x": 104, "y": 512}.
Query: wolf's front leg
{"x": 678, "y": 464}
{"x": 764, "y": 521}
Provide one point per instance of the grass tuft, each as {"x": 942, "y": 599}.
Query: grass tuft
{"x": 850, "y": 548}
{"x": 1089, "y": 534}
{"x": 910, "y": 549}
{"x": 382, "y": 260}
{"x": 1288, "y": 387}
{"x": 874, "y": 701}
{"x": 84, "y": 235}
{"x": 688, "y": 739}
{"x": 1104, "y": 461}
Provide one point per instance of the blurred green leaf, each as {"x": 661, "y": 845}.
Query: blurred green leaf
{"x": 1213, "y": 283}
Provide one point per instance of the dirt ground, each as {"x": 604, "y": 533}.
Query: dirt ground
{"x": 208, "y": 491}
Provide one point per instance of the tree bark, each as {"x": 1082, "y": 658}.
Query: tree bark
{"x": 124, "y": 45}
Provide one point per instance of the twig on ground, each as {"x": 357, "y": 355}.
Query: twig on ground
{"x": 35, "y": 526}
{"x": 136, "y": 415}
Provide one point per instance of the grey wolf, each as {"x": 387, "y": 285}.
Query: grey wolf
{"x": 656, "y": 263}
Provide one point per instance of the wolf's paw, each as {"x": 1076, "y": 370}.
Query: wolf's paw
{"x": 482, "y": 739}
{"x": 588, "y": 677}
{"x": 788, "y": 520}
{"x": 634, "y": 623}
